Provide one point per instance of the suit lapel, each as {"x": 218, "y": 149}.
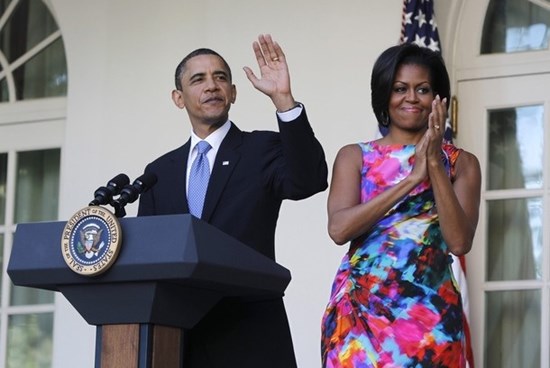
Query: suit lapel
{"x": 179, "y": 199}
{"x": 226, "y": 161}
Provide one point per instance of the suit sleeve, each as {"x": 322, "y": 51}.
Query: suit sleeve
{"x": 146, "y": 201}
{"x": 304, "y": 170}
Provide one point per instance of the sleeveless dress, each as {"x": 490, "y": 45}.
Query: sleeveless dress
{"x": 394, "y": 301}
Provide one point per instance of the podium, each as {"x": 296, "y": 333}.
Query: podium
{"x": 170, "y": 272}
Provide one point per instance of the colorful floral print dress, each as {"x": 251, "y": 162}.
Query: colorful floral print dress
{"x": 394, "y": 302}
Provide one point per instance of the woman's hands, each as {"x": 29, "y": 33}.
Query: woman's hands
{"x": 458, "y": 201}
{"x": 436, "y": 128}
{"x": 428, "y": 150}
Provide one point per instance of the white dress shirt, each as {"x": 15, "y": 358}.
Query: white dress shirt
{"x": 215, "y": 140}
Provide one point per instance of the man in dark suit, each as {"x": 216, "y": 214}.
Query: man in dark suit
{"x": 251, "y": 173}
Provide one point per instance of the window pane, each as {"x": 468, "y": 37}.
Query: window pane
{"x": 513, "y": 329}
{"x": 4, "y": 94}
{"x": 45, "y": 75}
{"x": 3, "y": 176}
{"x": 515, "y": 148}
{"x": 29, "y": 24}
{"x": 37, "y": 186}
{"x": 4, "y": 4}
{"x": 1, "y": 261}
{"x": 36, "y": 199}
{"x": 514, "y": 25}
{"x": 29, "y": 296}
{"x": 38, "y": 171}
{"x": 514, "y": 239}
{"x": 30, "y": 341}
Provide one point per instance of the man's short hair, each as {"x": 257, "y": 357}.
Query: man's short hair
{"x": 202, "y": 51}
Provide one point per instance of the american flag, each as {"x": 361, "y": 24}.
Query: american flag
{"x": 419, "y": 26}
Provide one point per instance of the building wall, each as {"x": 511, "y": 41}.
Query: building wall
{"x": 121, "y": 58}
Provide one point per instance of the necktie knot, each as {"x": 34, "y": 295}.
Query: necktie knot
{"x": 203, "y": 147}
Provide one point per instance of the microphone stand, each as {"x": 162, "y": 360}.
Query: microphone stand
{"x": 119, "y": 209}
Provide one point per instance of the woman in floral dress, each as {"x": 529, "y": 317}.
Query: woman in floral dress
{"x": 404, "y": 202}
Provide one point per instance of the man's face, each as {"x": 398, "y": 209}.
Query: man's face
{"x": 207, "y": 92}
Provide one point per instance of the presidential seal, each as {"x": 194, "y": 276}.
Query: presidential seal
{"x": 91, "y": 240}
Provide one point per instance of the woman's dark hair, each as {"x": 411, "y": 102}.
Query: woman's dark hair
{"x": 385, "y": 69}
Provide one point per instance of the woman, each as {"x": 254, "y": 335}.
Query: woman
{"x": 404, "y": 201}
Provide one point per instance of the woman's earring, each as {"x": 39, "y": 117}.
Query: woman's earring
{"x": 385, "y": 119}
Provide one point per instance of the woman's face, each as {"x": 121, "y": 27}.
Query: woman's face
{"x": 411, "y": 98}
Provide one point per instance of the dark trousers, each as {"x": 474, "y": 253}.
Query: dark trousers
{"x": 237, "y": 334}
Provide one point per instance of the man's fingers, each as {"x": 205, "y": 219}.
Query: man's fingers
{"x": 250, "y": 75}
{"x": 259, "y": 55}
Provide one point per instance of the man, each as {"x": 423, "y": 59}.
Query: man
{"x": 251, "y": 173}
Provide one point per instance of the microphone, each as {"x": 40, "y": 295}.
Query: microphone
{"x": 130, "y": 193}
{"x": 103, "y": 195}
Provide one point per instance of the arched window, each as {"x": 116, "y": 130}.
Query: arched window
{"x": 33, "y": 84}
{"x": 516, "y": 25}
{"x": 32, "y": 56}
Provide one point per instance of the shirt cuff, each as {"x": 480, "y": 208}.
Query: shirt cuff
{"x": 291, "y": 114}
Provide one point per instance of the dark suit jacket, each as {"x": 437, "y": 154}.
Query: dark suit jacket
{"x": 252, "y": 174}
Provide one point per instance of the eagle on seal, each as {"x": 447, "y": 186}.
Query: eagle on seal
{"x": 90, "y": 237}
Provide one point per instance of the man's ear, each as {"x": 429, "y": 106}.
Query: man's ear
{"x": 177, "y": 97}
{"x": 233, "y": 93}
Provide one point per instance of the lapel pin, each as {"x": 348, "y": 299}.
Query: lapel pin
{"x": 225, "y": 163}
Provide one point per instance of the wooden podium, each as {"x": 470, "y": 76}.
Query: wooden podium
{"x": 171, "y": 270}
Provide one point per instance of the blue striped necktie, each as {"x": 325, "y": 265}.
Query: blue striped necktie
{"x": 198, "y": 180}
